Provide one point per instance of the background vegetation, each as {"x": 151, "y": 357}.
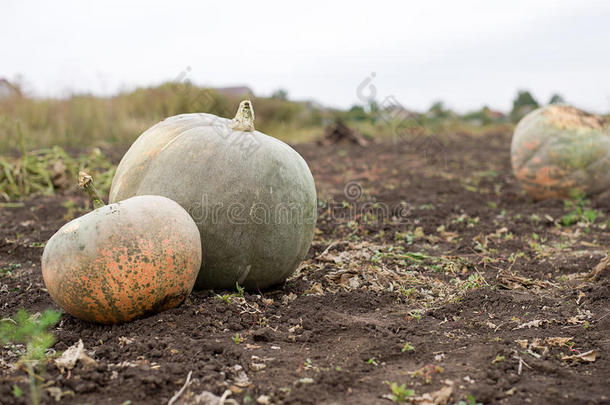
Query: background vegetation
{"x": 35, "y": 133}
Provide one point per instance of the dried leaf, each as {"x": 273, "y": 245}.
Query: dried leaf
{"x": 587, "y": 357}
{"x": 522, "y": 342}
{"x": 72, "y": 355}
{"x": 257, "y": 366}
{"x": 501, "y": 230}
{"x": 536, "y": 323}
{"x": 449, "y": 236}
{"x": 440, "y": 397}
{"x": 263, "y": 400}
{"x": 537, "y": 346}
{"x": 208, "y": 398}
{"x": 123, "y": 341}
{"x": 511, "y": 281}
{"x": 316, "y": 289}
{"x": 557, "y": 341}
{"x": 240, "y": 378}
{"x": 602, "y": 267}
{"x": 439, "y": 357}
{"x": 354, "y": 282}
{"x": 58, "y": 394}
{"x": 287, "y": 299}
{"x": 575, "y": 320}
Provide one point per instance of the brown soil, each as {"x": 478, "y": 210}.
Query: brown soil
{"x": 424, "y": 241}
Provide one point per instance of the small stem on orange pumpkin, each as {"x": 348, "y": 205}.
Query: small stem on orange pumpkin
{"x": 244, "y": 119}
{"x": 86, "y": 183}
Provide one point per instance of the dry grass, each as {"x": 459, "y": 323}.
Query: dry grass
{"x": 84, "y": 121}
{"x": 43, "y": 171}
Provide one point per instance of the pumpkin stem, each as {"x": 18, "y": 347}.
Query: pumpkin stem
{"x": 86, "y": 183}
{"x": 244, "y": 119}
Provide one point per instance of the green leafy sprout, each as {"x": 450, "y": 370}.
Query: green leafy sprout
{"x": 469, "y": 401}
{"x": 400, "y": 393}
{"x": 30, "y": 330}
{"x": 228, "y": 297}
{"x": 407, "y": 347}
{"x": 578, "y": 211}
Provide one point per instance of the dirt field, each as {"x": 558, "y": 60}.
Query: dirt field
{"x": 429, "y": 268}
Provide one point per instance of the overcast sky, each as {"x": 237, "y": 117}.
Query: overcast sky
{"x": 467, "y": 53}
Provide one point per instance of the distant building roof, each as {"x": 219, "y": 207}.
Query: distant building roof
{"x": 234, "y": 91}
{"x": 493, "y": 113}
{"x": 8, "y": 90}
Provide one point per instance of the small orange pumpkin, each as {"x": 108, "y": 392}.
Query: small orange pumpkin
{"x": 558, "y": 150}
{"x": 124, "y": 260}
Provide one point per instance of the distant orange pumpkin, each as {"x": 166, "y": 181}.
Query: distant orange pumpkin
{"x": 123, "y": 261}
{"x": 559, "y": 150}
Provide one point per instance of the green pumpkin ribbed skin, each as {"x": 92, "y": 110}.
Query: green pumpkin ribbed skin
{"x": 557, "y": 150}
{"x": 251, "y": 195}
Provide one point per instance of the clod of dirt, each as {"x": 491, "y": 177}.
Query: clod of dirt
{"x": 338, "y": 131}
{"x": 262, "y": 335}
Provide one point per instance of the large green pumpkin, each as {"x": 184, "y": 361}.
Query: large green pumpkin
{"x": 251, "y": 195}
{"x": 558, "y": 150}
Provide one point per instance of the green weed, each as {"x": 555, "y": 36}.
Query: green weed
{"x": 578, "y": 211}
{"x": 414, "y": 314}
{"x": 469, "y": 401}
{"x": 9, "y": 268}
{"x": 400, "y": 393}
{"x": 407, "y": 348}
{"x": 228, "y": 297}
{"x": 30, "y": 330}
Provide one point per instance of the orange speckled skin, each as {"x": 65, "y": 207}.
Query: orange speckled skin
{"x": 558, "y": 150}
{"x": 123, "y": 261}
